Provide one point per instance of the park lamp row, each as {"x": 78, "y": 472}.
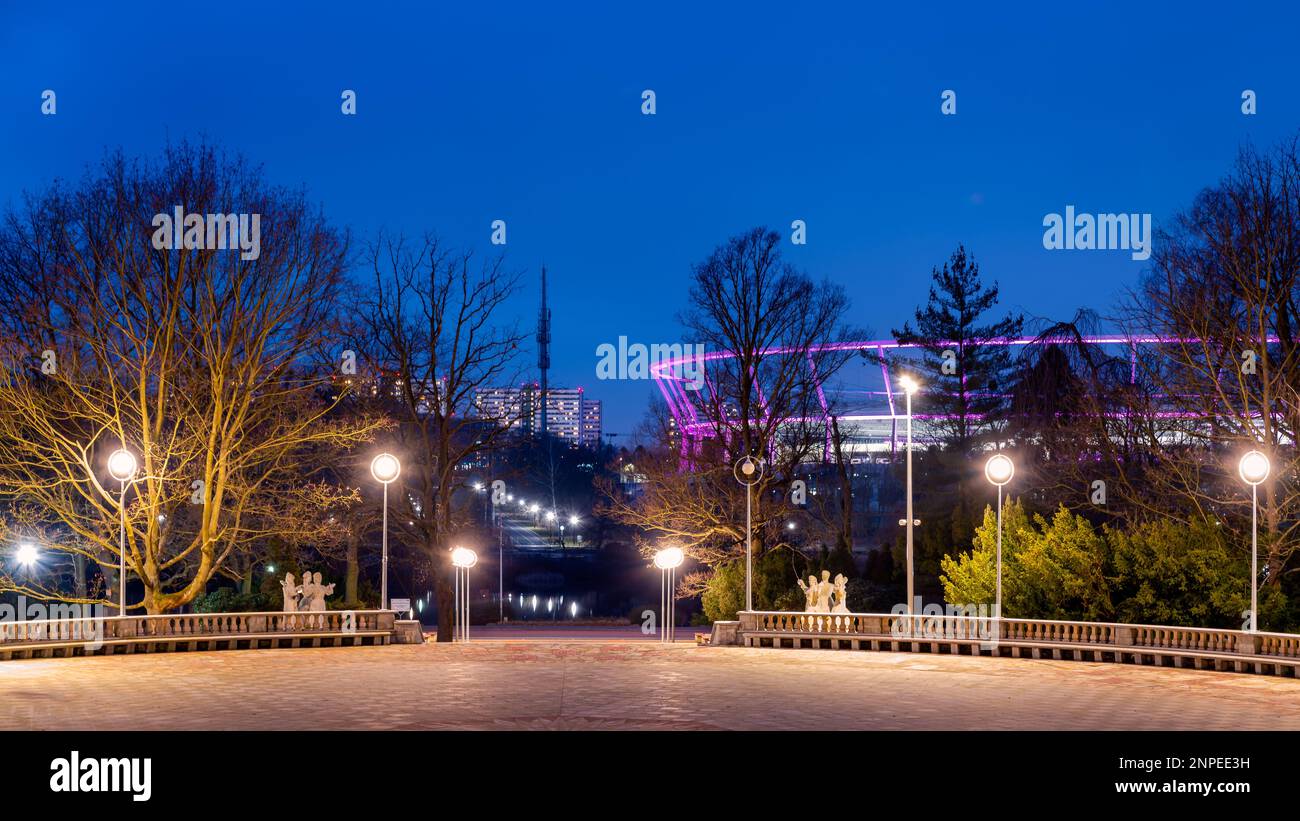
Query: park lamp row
{"x": 1253, "y": 469}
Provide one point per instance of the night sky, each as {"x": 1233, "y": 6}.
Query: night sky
{"x": 766, "y": 114}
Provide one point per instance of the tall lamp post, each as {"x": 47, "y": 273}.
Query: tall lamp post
{"x": 1254, "y": 469}
{"x": 122, "y": 467}
{"x": 668, "y": 560}
{"x": 462, "y": 559}
{"x": 748, "y": 471}
{"x": 909, "y": 388}
{"x": 999, "y": 469}
{"x": 385, "y": 468}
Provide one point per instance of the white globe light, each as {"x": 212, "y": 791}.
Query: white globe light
{"x": 669, "y": 557}
{"x": 26, "y": 554}
{"x": 1254, "y": 468}
{"x": 550, "y": 515}
{"x": 121, "y": 465}
{"x": 385, "y": 468}
{"x": 573, "y": 521}
{"x": 909, "y": 384}
{"x": 747, "y": 468}
{"x": 464, "y": 557}
{"x": 999, "y": 469}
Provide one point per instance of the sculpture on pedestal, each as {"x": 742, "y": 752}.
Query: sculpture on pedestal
{"x": 815, "y": 599}
{"x": 825, "y": 596}
{"x": 840, "y": 594}
{"x": 307, "y": 597}
{"x": 291, "y": 591}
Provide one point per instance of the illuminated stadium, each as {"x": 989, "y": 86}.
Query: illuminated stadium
{"x": 865, "y": 391}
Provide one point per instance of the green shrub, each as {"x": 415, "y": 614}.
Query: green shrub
{"x": 230, "y": 600}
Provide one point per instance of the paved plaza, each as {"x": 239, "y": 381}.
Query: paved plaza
{"x": 544, "y": 684}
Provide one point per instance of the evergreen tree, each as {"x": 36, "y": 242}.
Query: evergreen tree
{"x": 965, "y": 378}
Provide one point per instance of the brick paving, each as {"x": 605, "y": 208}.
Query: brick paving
{"x": 624, "y": 685}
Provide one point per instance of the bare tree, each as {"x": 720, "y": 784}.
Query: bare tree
{"x": 429, "y": 329}
{"x": 1215, "y": 373}
{"x": 194, "y": 358}
{"x": 764, "y": 401}
{"x": 1223, "y": 295}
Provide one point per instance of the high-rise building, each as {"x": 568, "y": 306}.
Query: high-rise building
{"x": 567, "y": 414}
{"x": 509, "y": 407}
{"x": 589, "y": 435}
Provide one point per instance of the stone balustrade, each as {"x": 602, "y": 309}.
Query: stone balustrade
{"x": 1194, "y": 647}
{"x": 193, "y": 631}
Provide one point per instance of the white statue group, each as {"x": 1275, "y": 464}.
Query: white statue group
{"x": 824, "y": 596}
{"x": 305, "y": 597}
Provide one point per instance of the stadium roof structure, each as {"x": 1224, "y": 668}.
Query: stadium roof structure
{"x": 870, "y": 399}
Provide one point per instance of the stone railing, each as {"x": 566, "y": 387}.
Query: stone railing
{"x": 195, "y": 630}
{"x": 1142, "y": 643}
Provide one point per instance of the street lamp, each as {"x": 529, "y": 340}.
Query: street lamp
{"x": 462, "y": 558}
{"x": 385, "y": 468}
{"x": 26, "y": 555}
{"x": 1253, "y": 470}
{"x": 668, "y": 560}
{"x": 999, "y": 469}
{"x": 748, "y": 471}
{"x": 121, "y": 466}
{"x": 910, "y": 387}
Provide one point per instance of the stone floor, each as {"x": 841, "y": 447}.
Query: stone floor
{"x": 624, "y": 685}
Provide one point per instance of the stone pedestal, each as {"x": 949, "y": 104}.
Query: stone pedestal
{"x": 407, "y": 632}
{"x": 725, "y": 633}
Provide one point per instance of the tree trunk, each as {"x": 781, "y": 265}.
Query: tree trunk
{"x": 79, "y": 575}
{"x": 845, "y": 536}
{"x": 353, "y": 573}
{"x": 445, "y": 595}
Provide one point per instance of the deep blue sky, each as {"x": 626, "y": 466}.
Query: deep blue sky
{"x": 766, "y": 113}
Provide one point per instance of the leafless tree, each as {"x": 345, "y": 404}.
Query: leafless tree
{"x": 193, "y": 358}
{"x": 429, "y": 327}
{"x": 764, "y": 401}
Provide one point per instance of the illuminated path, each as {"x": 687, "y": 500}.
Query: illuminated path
{"x": 624, "y": 685}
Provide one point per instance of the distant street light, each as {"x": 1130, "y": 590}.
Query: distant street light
{"x": 385, "y": 468}
{"x": 909, "y": 387}
{"x": 999, "y": 469}
{"x": 748, "y": 471}
{"x": 462, "y": 559}
{"x": 26, "y": 555}
{"x": 668, "y": 560}
{"x": 122, "y": 467}
{"x": 1254, "y": 469}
